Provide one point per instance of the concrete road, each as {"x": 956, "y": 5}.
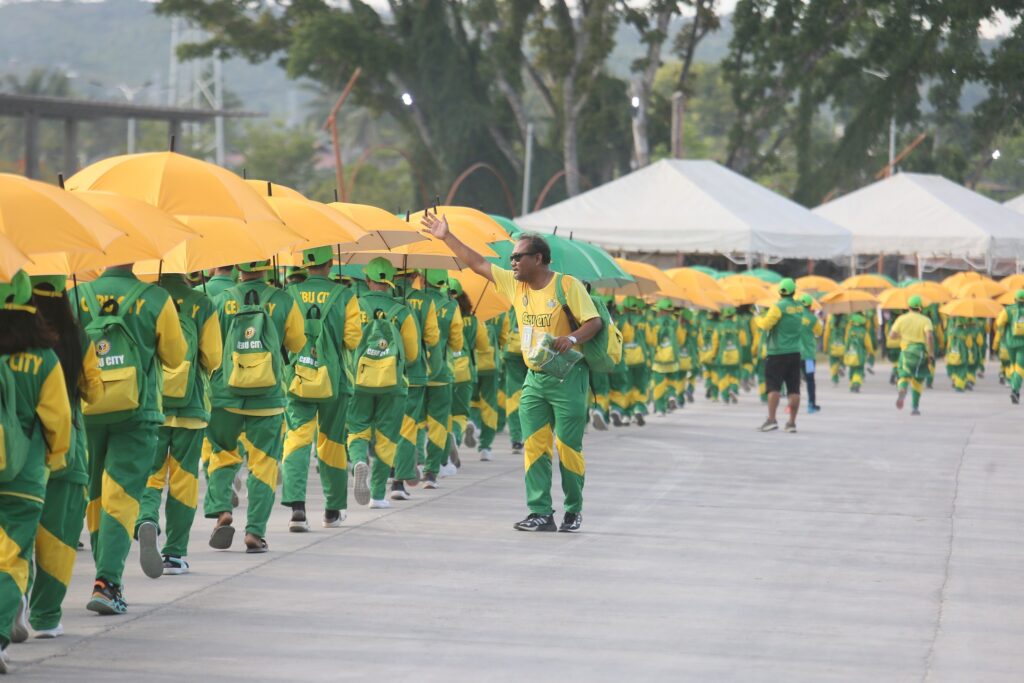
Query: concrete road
{"x": 872, "y": 545}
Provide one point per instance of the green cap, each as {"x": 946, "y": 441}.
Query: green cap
{"x": 317, "y": 256}
{"x": 915, "y": 302}
{"x": 1019, "y": 296}
{"x": 807, "y": 300}
{"x": 254, "y": 266}
{"x": 436, "y": 277}
{"x": 787, "y": 287}
{"x": 633, "y": 302}
{"x": 17, "y": 294}
{"x": 664, "y": 304}
{"x": 728, "y": 311}
{"x": 49, "y": 285}
{"x": 380, "y": 270}
{"x": 455, "y": 287}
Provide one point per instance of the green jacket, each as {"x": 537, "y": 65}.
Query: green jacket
{"x": 287, "y": 319}
{"x": 342, "y": 321}
{"x": 783, "y": 323}
{"x": 809, "y": 336}
{"x": 449, "y": 323}
{"x": 200, "y": 309}
{"x": 425, "y": 316}
{"x": 216, "y": 286}
{"x": 153, "y": 322}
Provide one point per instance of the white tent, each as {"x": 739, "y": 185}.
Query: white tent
{"x": 692, "y": 206}
{"x": 915, "y": 214}
{"x": 1017, "y": 204}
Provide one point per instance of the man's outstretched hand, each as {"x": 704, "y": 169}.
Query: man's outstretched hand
{"x": 438, "y": 227}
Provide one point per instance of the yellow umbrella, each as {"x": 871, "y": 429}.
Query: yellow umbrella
{"x": 932, "y": 291}
{"x": 476, "y": 234}
{"x": 321, "y": 226}
{"x": 1013, "y": 282}
{"x": 739, "y": 279}
{"x": 392, "y": 231}
{"x": 487, "y": 303}
{"x": 269, "y": 189}
{"x": 957, "y": 280}
{"x": 980, "y": 289}
{"x": 149, "y": 233}
{"x": 221, "y": 242}
{"x": 178, "y": 185}
{"x": 477, "y": 220}
{"x": 867, "y": 282}
{"x": 743, "y": 293}
{"x": 37, "y": 218}
{"x": 430, "y": 253}
{"x": 898, "y": 299}
{"x": 848, "y": 301}
{"x": 816, "y": 283}
{"x": 695, "y": 281}
{"x": 664, "y": 285}
{"x": 972, "y": 308}
{"x": 11, "y": 259}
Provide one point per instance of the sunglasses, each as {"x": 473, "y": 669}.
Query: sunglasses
{"x": 516, "y": 258}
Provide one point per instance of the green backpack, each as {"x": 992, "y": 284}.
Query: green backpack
{"x": 604, "y": 351}
{"x": 14, "y": 443}
{"x": 180, "y": 382}
{"x": 380, "y": 356}
{"x": 315, "y": 372}
{"x": 255, "y": 348}
{"x": 121, "y": 368}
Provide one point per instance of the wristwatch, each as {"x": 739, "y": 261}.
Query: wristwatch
{"x": 574, "y": 340}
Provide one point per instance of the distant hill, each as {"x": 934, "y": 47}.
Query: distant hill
{"x": 712, "y": 49}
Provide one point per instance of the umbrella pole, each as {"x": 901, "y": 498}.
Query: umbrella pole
{"x": 78, "y": 306}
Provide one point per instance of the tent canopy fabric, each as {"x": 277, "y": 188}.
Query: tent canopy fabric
{"x": 1017, "y": 204}
{"x": 929, "y": 216}
{"x": 692, "y": 206}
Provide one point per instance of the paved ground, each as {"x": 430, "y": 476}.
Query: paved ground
{"x": 870, "y": 546}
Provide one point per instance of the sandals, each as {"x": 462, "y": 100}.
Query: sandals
{"x": 254, "y": 544}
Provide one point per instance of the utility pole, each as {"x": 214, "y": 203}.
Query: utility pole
{"x": 892, "y": 145}
{"x": 218, "y": 104}
{"x": 527, "y": 170}
{"x": 172, "y": 68}
{"x": 677, "y": 125}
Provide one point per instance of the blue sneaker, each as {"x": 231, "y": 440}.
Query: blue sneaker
{"x": 811, "y": 410}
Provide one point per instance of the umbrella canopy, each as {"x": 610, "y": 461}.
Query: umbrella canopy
{"x": 933, "y": 291}
{"x": 479, "y": 221}
{"x": 958, "y": 280}
{"x": 178, "y": 185}
{"x": 611, "y": 273}
{"x": 645, "y": 272}
{"x": 980, "y": 289}
{"x": 392, "y": 231}
{"x": 473, "y": 232}
{"x": 430, "y": 253}
{"x": 149, "y": 233}
{"x": 707, "y": 270}
{"x": 507, "y": 224}
{"x": 487, "y": 303}
{"x": 37, "y": 218}
{"x": 11, "y": 259}
{"x": 269, "y": 189}
{"x": 848, "y": 301}
{"x": 573, "y": 258}
{"x": 906, "y": 282}
{"x": 929, "y": 216}
{"x": 692, "y": 206}
{"x": 867, "y": 282}
{"x": 744, "y": 293}
{"x": 972, "y": 308}
{"x": 693, "y": 280}
{"x": 1013, "y": 282}
{"x": 321, "y": 226}
{"x": 773, "y": 298}
{"x": 1009, "y": 298}
{"x": 816, "y": 284}
{"x": 740, "y": 279}
{"x": 898, "y": 299}
{"x": 765, "y": 274}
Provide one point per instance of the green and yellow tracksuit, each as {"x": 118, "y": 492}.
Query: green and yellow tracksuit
{"x": 939, "y": 330}
{"x": 858, "y": 348}
{"x": 553, "y": 412}
{"x": 892, "y": 346}
{"x": 375, "y": 416}
{"x": 959, "y": 353}
{"x": 637, "y": 341}
{"x": 321, "y": 422}
{"x": 180, "y": 439}
{"x": 437, "y": 397}
{"x": 463, "y": 364}
{"x": 745, "y": 320}
{"x": 427, "y": 330}
{"x": 215, "y": 286}
{"x": 835, "y": 344}
{"x": 708, "y": 355}
{"x": 1010, "y": 330}
{"x": 44, "y": 413}
{"x": 727, "y": 342}
{"x": 665, "y": 361}
{"x": 484, "y": 408}
{"x": 256, "y": 420}
{"x": 514, "y": 369}
{"x": 121, "y": 453}
{"x": 63, "y": 516}
{"x": 912, "y": 329}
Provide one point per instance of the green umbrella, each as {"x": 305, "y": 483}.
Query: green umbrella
{"x": 579, "y": 259}
{"x": 909, "y": 281}
{"x": 511, "y": 228}
{"x": 707, "y": 270}
{"x": 766, "y": 274}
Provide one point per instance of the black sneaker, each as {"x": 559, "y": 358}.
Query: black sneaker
{"x": 517, "y": 447}
{"x": 616, "y": 419}
{"x": 571, "y": 521}
{"x": 535, "y": 522}
{"x": 1015, "y": 397}
{"x": 398, "y": 491}
{"x": 298, "y": 523}
{"x": 106, "y": 598}
{"x": 639, "y": 419}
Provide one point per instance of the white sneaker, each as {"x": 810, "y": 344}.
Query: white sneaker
{"x": 4, "y": 661}
{"x": 469, "y": 438}
{"x": 400, "y": 494}
{"x": 175, "y": 566}
{"x": 485, "y": 454}
{"x": 448, "y": 470}
{"x": 380, "y": 504}
{"x": 361, "y": 483}
{"x": 334, "y": 523}
{"x": 19, "y": 630}
{"x": 597, "y": 419}
{"x": 51, "y": 632}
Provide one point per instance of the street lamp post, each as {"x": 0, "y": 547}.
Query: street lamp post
{"x": 884, "y": 75}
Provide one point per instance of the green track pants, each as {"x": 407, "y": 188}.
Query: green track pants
{"x": 56, "y": 550}
{"x": 263, "y": 440}
{"x": 324, "y": 422}
{"x": 1017, "y": 369}
{"x": 515, "y": 376}
{"x": 120, "y": 460}
{"x": 438, "y": 402}
{"x": 601, "y": 387}
{"x": 462, "y": 394}
{"x": 176, "y": 468}
{"x": 554, "y": 413}
{"x": 413, "y": 417}
{"x": 19, "y": 522}
{"x": 376, "y": 419}
{"x": 485, "y": 407}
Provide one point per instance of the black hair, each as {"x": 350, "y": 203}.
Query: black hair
{"x": 465, "y": 305}
{"x": 21, "y": 331}
{"x": 538, "y": 245}
{"x": 56, "y": 312}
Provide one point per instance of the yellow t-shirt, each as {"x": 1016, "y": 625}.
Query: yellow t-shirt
{"x": 538, "y": 310}
{"x": 912, "y": 328}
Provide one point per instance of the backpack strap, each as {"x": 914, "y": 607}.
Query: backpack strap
{"x": 90, "y": 298}
{"x": 133, "y": 294}
{"x": 560, "y": 293}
